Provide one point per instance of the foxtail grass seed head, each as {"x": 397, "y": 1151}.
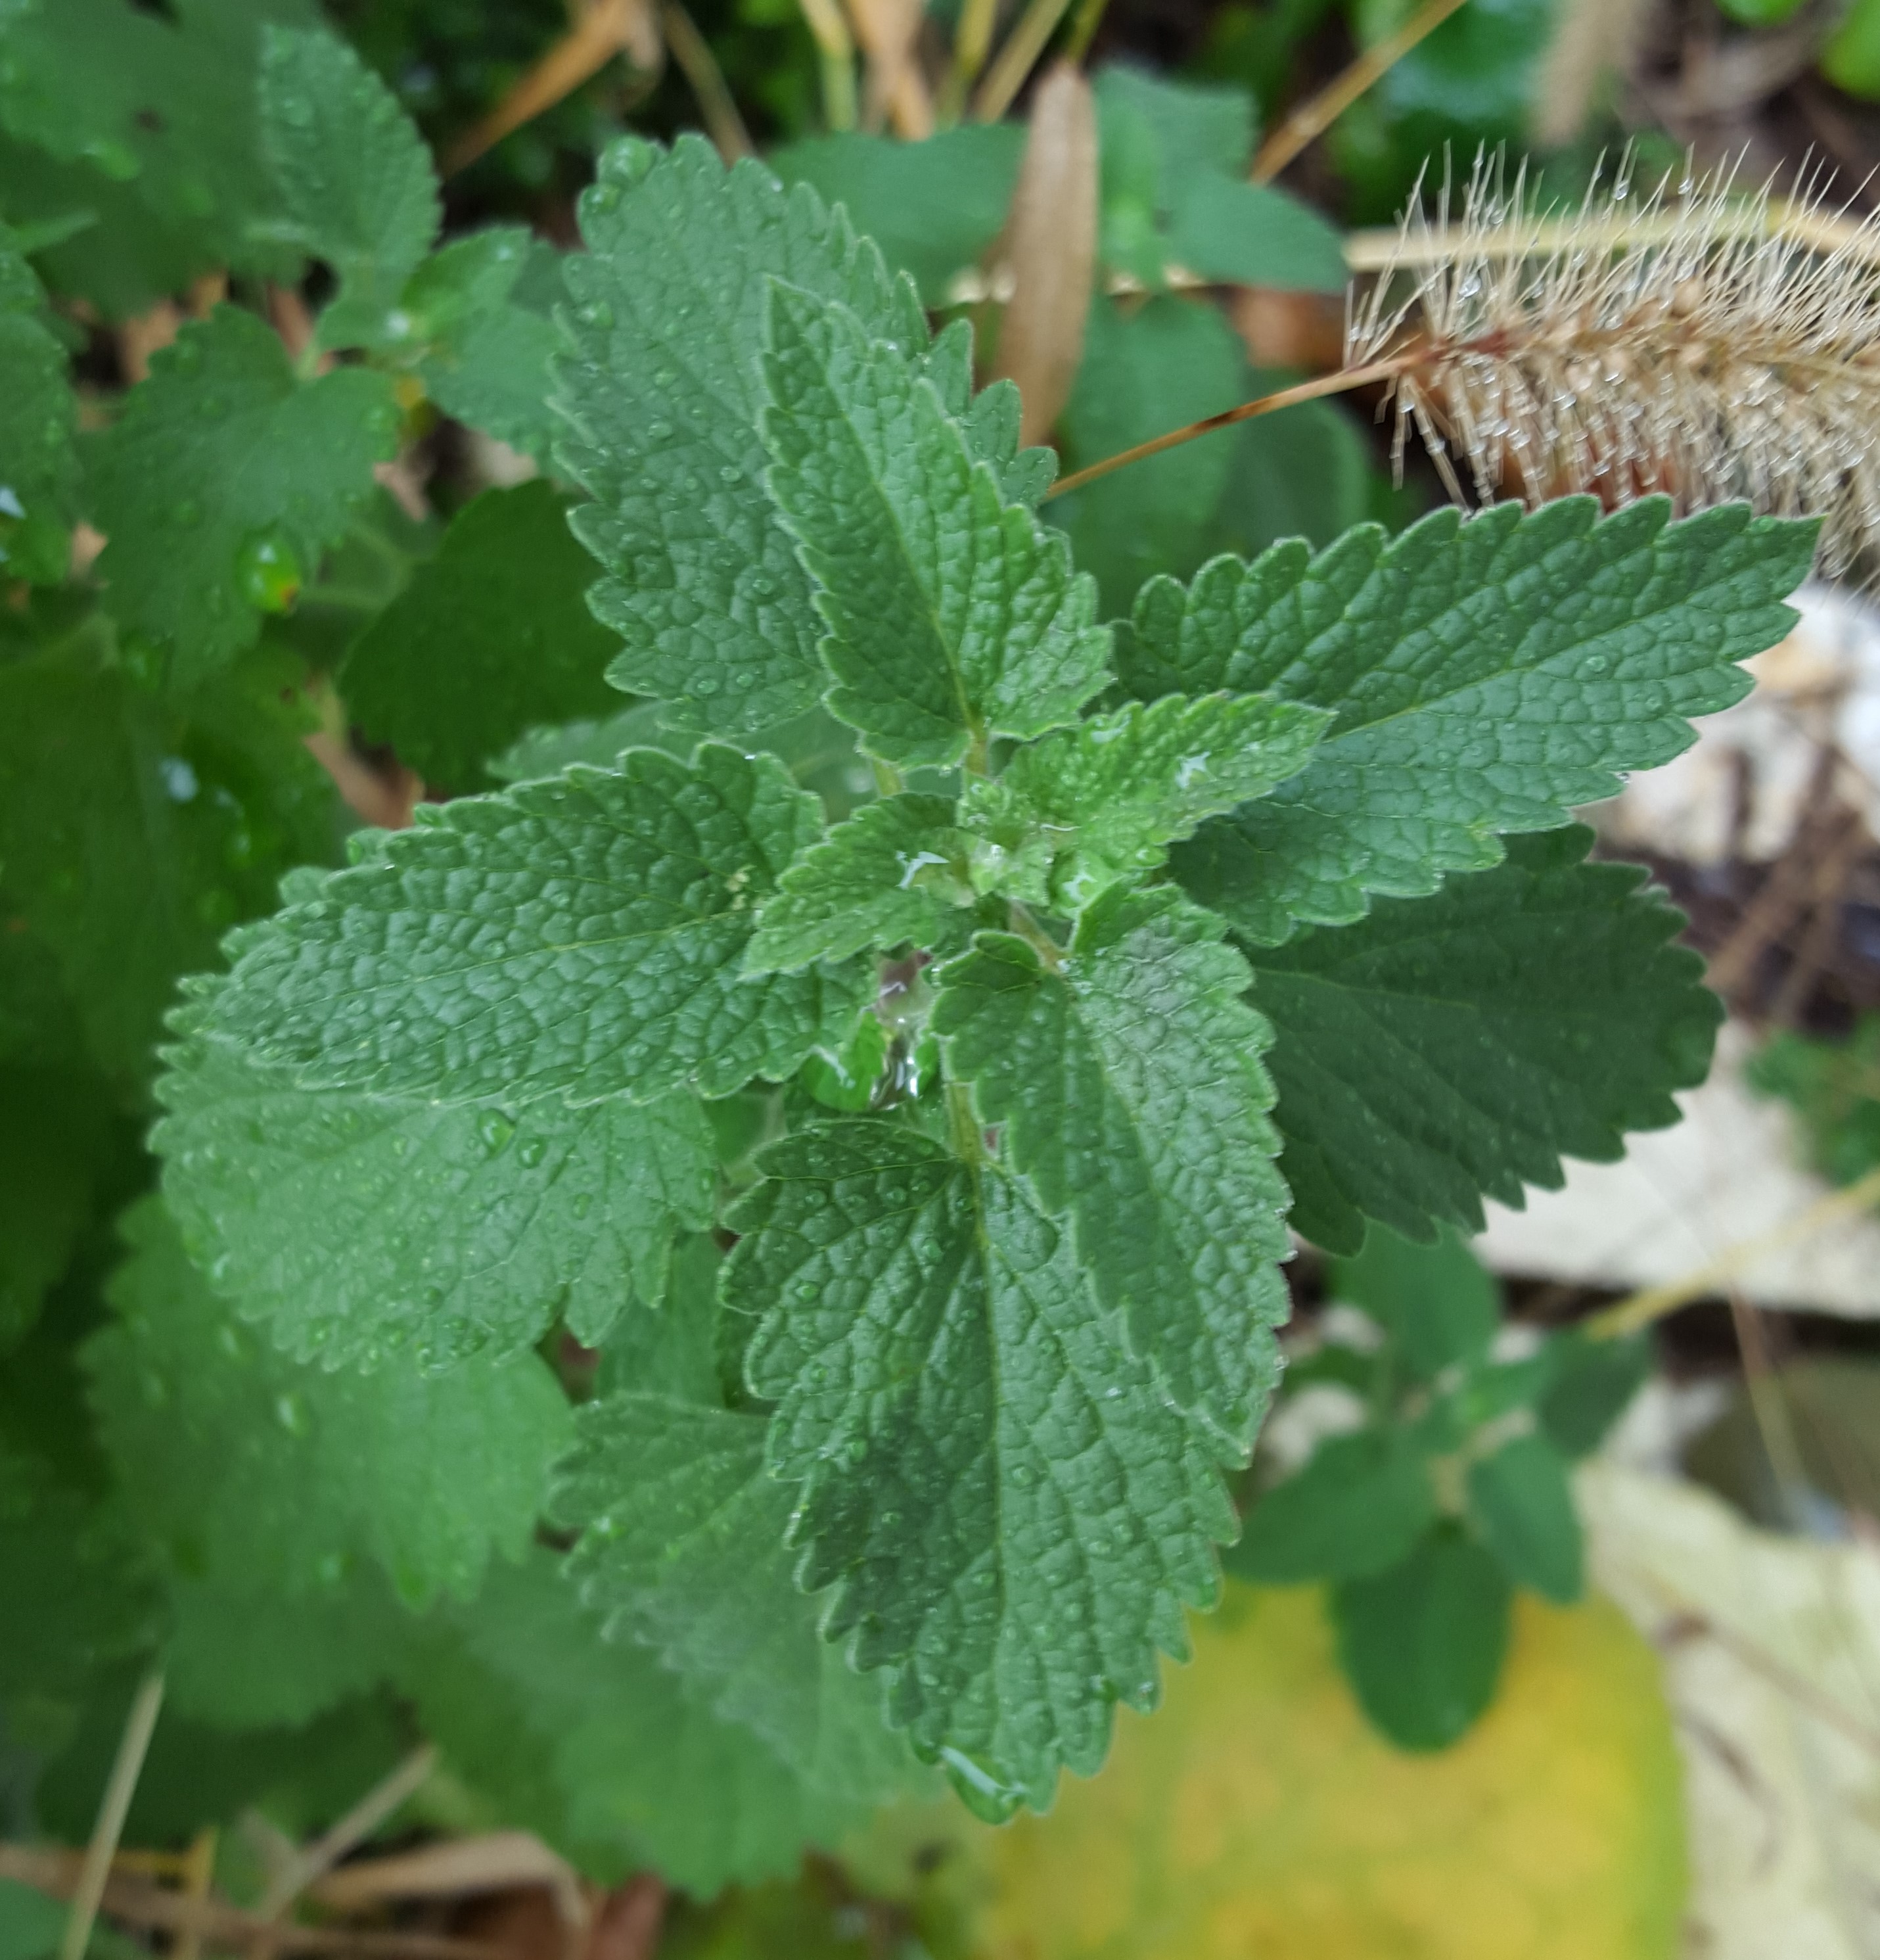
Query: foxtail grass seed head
{"x": 1691, "y": 339}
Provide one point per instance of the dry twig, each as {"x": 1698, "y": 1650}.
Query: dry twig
{"x": 94, "y": 1873}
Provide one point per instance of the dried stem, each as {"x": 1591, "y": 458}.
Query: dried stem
{"x": 605, "y": 29}
{"x": 1652, "y": 1303}
{"x": 1344, "y": 379}
{"x": 1023, "y": 45}
{"x": 1320, "y": 111}
{"x": 358, "y": 1824}
{"x": 699, "y": 66}
{"x": 127, "y": 1766}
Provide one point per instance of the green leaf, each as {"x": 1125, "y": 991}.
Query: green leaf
{"x": 359, "y": 1226}
{"x": 31, "y": 1921}
{"x": 244, "y": 1461}
{"x": 1486, "y": 677}
{"x": 1144, "y": 372}
{"x": 1010, "y": 1511}
{"x": 481, "y": 310}
{"x": 134, "y": 829}
{"x": 1117, "y": 789}
{"x": 676, "y": 1348}
{"x": 1127, "y": 1078}
{"x": 1833, "y": 1087}
{"x": 1195, "y": 130}
{"x": 80, "y": 1594}
{"x": 684, "y": 1550}
{"x": 38, "y": 423}
{"x": 933, "y": 207}
{"x": 892, "y": 872}
{"x": 244, "y": 1656}
{"x": 1590, "y": 1383}
{"x": 953, "y": 615}
{"x": 1225, "y": 229}
{"x": 593, "y": 946}
{"x": 704, "y": 584}
{"x": 219, "y": 451}
{"x": 1521, "y": 1502}
{"x": 1437, "y": 1302}
{"x": 356, "y": 184}
{"x": 149, "y": 118}
{"x": 596, "y": 1745}
{"x": 58, "y": 1145}
{"x": 1358, "y": 1506}
{"x": 491, "y": 636}
{"x": 1423, "y": 1643}
{"x": 1459, "y": 1046}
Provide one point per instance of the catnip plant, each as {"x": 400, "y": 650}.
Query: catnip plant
{"x": 826, "y": 1134}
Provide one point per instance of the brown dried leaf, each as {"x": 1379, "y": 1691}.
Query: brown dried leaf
{"x": 1050, "y": 247}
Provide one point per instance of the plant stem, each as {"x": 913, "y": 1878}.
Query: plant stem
{"x": 972, "y": 41}
{"x": 693, "y": 53}
{"x": 1321, "y": 109}
{"x": 119, "y": 1789}
{"x": 1336, "y": 383}
{"x": 1083, "y": 26}
{"x": 1017, "y": 58}
{"x": 1027, "y": 928}
{"x": 969, "y": 1141}
{"x": 831, "y": 31}
{"x": 1652, "y": 1303}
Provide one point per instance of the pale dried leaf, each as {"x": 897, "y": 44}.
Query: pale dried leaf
{"x": 1050, "y": 246}
{"x": 1771, "y": 1650}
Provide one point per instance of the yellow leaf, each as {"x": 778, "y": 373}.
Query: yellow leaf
{"x": 1255, "y": 1817}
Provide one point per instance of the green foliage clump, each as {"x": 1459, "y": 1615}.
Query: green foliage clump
{"x": 736, "y": 1261}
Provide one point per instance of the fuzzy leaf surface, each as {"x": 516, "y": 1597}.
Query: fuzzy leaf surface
{"x": 355, "y": 180}
{"x": 704, "y": 584}
{"x": 220, "y": 450}
{"x": 1010, "y": 1511}
{"x": 1455, "y": 1047}
{"x": 593, "y": 1743}
{"x": 491, "y": 636}
{"x": 1485, "y": 677}
{"x": 892, "y": 872}
{"x": 952, "y": 614}
{"x": 248, "y": 1462}
{"x": 1112, "y": 793}
{"x": 356, "y": 1226}
{"x": 1129, "y": 1084}
{"x": 581, "y": 936}
{"x": 684, "y": 1550}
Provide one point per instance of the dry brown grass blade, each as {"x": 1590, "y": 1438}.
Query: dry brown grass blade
{"x": 1345, "y": 379}
{"x": 1593, "y": 38}
{"x": 354, "y": 1828}
{"x": 453, "y": 1868}
{"x": 94, "y": 1872}
{"x": 699, "y": 67}
{"x": 605, "y": 29}
{"x": 1051, "y": 244}
{"x": 1027, "y": 42}
{"x": 895, "y": 90}
{"x": 1317, "y": 114}
{"x": 140, "y": 1902}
